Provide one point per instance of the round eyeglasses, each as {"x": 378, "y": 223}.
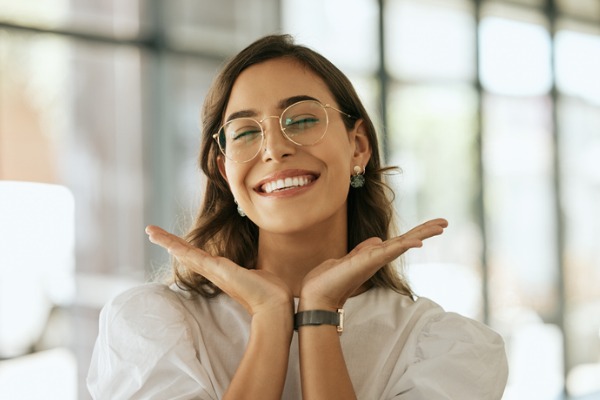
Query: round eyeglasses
{"x": 303, "y": 123}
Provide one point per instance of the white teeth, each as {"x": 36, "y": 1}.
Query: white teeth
{"x": 287, "y": 183}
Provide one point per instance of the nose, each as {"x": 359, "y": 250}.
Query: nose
{"x": 275, "y": 146}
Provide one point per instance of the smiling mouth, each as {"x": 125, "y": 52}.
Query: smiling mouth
{"x": 283, "y": 184}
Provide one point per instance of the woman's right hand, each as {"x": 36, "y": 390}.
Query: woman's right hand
{"x": 329, "y": 285}
{"x": 256, "y": 290}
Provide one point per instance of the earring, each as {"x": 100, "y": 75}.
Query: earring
{"x": 239, "y": 209}
{"x": 358, "y": 179}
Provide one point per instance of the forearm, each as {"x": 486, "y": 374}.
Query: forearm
{"x": 262, "y": 371}
{"x": 323, "y": 369}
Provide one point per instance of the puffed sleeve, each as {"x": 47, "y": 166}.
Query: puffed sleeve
{"x": 455, "y": 358}
{"x": 145, "y": 350}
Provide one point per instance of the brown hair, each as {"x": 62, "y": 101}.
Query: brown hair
{"x": 218, "y": 228}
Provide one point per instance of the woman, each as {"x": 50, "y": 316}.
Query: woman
{"x": 284, "y": 286}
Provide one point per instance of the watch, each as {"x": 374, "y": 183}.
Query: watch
{"x": 320, "y": 317}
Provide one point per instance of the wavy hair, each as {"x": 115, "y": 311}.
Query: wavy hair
{"x": 218, "y": 228}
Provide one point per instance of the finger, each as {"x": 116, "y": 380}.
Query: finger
{"x": 367, "y": 258}
{"x": 413, "y": 238}
{"x": 426, "y": 230}
{"x": 216, "y": 269}
{"x": 438, "y": 222}
{"x": 394, "y": 247}
{"x": 172, "y": 243}
{"x": 388, "y": 251}
{"x": 365, "y": 243}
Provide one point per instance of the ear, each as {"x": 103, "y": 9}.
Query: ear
{"x": 360, "y": 145}
{"x": 221, "y": 165}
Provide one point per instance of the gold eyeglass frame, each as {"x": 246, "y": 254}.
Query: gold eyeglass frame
{"x": 281, "y": 127}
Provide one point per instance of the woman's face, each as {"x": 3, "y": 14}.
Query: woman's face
{"x": 315, "y": 178}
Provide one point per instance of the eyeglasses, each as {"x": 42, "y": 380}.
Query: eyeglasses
{"x": 303, "y": 123}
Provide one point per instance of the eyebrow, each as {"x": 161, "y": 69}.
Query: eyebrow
{"x": 283, "y": 104}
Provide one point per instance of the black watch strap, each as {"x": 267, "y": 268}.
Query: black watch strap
{"x": 320, "y": 317}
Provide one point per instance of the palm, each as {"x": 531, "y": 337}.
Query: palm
{"x": 255, "y": 290}
{"x": 332, "y": 282}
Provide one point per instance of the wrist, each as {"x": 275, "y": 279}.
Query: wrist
{"x": 275, "y": 318}
{"x": 314, "y": 302}
{"x": 271, "y": 331}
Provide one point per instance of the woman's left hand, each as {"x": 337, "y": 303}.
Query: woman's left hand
{"x": 329, "y": 285}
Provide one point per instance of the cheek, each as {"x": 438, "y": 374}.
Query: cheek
{"x": 338, "y": 155}
{"x": 235, "y": 179}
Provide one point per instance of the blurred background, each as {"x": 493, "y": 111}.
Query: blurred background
{"x": 490, "y": 108}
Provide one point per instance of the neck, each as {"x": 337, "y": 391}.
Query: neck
{"x": 290, "y": 256}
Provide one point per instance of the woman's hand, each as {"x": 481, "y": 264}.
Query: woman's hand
{"x": 329, "y": 285}
{"x": 255, "y": 290}
{"x": 263, "y": 367}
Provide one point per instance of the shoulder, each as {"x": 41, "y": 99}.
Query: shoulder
{"x": 428, "y": 329}
{"x": 154, "y": 311}
{"x": 441, "y": 354}
{"x": 154, "y": 298}
{"x": 437, "y": 331}
{"x": 442, "y": 331}
{"x": 143, "y": 323}
{"x": 437, "y": 354}
{"x": 393, "y": 309}
{"x": 152, "y": 290}
{"x": 464, "y": 356}
{"x": 425, "y": 318}
{"x": 149, "y": 333}
{"x": 157, "y": 307}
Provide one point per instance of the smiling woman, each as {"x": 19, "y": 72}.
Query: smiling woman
{"x": 284, "y": 286}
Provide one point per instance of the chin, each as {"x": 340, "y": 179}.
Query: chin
{"x": 298, "y": 221}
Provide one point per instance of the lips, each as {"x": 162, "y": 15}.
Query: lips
{"x": 282, "y": 183}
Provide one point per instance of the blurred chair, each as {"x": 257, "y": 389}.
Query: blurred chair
{"x": 37, "y": 266}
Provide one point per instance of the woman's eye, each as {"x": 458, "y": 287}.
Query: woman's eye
{"x": 247, "y": 135}
{"x": 301, "y": 122}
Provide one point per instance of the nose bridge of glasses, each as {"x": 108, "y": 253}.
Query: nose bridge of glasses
{"x": 274, "y": 128}
{"x": 261, "y": 122}
{"x": 276, "y": 135}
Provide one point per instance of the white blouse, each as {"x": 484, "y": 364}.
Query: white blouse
{"x": 159, "y": 342}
